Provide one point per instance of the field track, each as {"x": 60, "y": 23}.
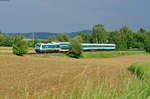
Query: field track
{"x": 50, "y": 74}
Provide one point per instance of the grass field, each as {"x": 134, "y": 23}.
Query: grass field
{"x": 54, "y": 77}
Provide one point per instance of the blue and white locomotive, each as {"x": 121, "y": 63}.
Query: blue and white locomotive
{"x": 64, "y": 47}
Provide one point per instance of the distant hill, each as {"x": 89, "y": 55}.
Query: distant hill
{"x": 45, "y": 35}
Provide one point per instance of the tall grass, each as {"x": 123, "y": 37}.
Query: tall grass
{"x": 141, "y": 69}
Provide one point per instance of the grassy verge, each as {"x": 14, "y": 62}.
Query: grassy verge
{"x": 47, "y": 55}
{"x": 86, "y": 55}
{"x": 6, "y": 53}
{"x": 5, "y": 48}
{"x": 111, "y": 54}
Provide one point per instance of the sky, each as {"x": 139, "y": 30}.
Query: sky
{"x": 62, "y": 16}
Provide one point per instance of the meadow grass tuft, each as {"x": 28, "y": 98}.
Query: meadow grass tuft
{"x": 141, "y": 69}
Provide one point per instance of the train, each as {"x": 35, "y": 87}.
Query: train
{"x": 64, "y": 47}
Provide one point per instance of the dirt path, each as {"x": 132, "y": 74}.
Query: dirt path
{"x": 44, "y": 75}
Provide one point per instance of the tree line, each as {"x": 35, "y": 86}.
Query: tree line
{"x": 124, "y": 38}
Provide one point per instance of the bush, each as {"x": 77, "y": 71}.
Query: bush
{"x": 20, "y": 46}
{"x": 75, "y": 49}
{"x": 147, "y": 45}
{"x": 141, "y": 70}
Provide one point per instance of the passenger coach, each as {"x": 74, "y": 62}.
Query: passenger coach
{"x": 64, "y": 46}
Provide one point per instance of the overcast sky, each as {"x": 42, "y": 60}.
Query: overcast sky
{"x": 72, "y": 15}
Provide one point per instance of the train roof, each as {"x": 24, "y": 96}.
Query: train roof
{"x": 98, "y": 44}
{"x": 46, "y": 43}
{"x": 66, "y": 43}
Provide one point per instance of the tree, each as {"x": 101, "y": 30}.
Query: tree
{"x": 35, "y": 41}
{"x": 79, "y": 38}
{"x": 127, "y": 37}
{"x": 75, "y": 49}
{"x": 115, "y": 38}
{"x": 99, "y": 34}
{"x": 6, "y": 40}
{"x": 52, "y": 39}
{"x": 142, "y": 35}
{"x": 88, "y": 38}
{"x": 0, "y": 32}
{"x": 142, "y": 30}
{"x": 63, "y": 38}
{"x": 20, "y": 46}
{"x": 82, "y": 35}
{"x": 139, "y": 45}
{"x": 147, "y": 45}
{"x": 1, "y": 39}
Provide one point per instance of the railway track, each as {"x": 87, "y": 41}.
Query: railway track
{"x": 84, "y": 52}
{"x": 66, "y": 52}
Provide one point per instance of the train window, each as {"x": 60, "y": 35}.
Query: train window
{"x": 51, "y": 46}
{"x": 38, "y": 45}
{"x": 57, "y": 46}
{"x": 43, "y": 46}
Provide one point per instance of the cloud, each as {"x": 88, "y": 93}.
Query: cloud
{"x": 52, "y": 15}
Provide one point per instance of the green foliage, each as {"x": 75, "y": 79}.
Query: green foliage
{"x": 142, "y": 35}
{"x": 82, "y": 36}
{"x": 139, "y": 45}
{"x": 35, "y": 41}
{"x": 0, "y": 32}
{"x": 52, "y": 39}
{"x": 79, "y": 38}
{"x": 124, "y": 39}
{"x": 6, "y": 40}
{"x": 127, "y": 37}
{"x": 89, "y": 38}
{"x": 99, "y": 34}
{"x": 115, "y": 38}
{"x": 141, "y": 70}
{"x": 75, "y": 49}
{"x": 63, "y": 38}
{"x": 20, "y": 46}
{"x": 147, "y": 45}
{"x": 31, "y": 43}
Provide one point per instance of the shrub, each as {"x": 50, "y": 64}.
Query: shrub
{"x": 20, "y": 46}
{"x": 147, "y": 45}
{"x": 75, "y": 49}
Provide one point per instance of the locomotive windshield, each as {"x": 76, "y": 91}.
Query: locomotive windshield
{"x": 38, "y": 45}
